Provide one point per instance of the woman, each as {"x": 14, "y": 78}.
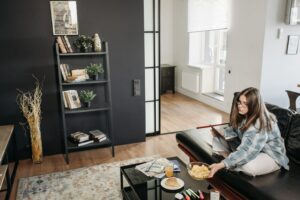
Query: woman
{"x": 262, "y": 149}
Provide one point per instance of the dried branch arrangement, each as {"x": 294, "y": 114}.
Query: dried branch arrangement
{"x": 30, "y": 105}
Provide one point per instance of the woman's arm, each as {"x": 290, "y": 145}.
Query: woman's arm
{"x": 214, "y": 168}
{"x": 251, "y": 145}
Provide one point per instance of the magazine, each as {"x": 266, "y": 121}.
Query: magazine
{"x": 154, "y": 168}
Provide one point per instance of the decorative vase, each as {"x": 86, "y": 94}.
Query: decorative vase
{"x": 36, "y": 142}
{"x": 97, "y": 43}
{"x": 87, "y": 104}
{"x": 30, "y": 105}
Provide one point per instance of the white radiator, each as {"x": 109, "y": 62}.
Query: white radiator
{"x": 190, "y": 81}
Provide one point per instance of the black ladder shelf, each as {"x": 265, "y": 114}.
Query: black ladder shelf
{"x": 101, "y": 107}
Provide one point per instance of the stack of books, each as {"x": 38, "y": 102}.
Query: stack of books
{"x": 98, "y": 135}
{"x": 75, "y": 75}
{"x": 64, "y": 44}
{"x": 80, "y": 138}
{"x": 78, "y": 75}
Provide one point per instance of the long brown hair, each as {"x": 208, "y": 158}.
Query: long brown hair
{"x": 256, "y": 111}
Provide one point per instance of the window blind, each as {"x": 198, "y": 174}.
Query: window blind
{"x": 206, "y": 15}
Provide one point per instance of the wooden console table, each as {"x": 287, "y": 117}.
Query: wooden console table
{"x": 6, "y": 134}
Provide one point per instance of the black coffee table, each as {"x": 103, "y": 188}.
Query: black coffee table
{"x": 148, "y": 188}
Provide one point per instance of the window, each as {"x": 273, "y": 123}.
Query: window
{"x": 209, "y": 48}
{"x": 208, "y": 27}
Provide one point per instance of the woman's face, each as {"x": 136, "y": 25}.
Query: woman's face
{"x": 242, "y": 105}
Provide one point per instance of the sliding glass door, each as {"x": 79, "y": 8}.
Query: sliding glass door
{"x": 152, "y": 65}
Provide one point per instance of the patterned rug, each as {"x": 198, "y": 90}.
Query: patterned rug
{"x": 88, "y": 183}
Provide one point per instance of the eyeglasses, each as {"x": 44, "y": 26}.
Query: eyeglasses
{"x": 241, "y": 103}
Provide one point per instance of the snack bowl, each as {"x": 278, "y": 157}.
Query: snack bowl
{"x": 198, "y": 170}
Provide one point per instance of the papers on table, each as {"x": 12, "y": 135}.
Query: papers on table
{"x": 154, "y": 168}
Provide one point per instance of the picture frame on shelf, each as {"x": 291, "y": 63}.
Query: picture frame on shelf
{"x": 64, "y": 17}
{"x": 292, "y": 45}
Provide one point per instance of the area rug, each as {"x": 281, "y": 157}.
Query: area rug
{"x": 88, "y": 183}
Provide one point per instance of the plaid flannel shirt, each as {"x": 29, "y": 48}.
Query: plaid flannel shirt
{"x": 253, "y": 142}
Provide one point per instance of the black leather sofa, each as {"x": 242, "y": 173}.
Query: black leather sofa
{"x": 236, "y": 185}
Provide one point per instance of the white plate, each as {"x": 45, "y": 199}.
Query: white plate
{"x": 180, "y": 182}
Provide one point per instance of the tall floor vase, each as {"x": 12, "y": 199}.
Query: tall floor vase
{"x": 36, "y": 143}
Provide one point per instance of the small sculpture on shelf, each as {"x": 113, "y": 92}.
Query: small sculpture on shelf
{"x": 94, "y": 69}
{"x": 83, "y": 43}
{"x": 97, "y": 43}
{"x": 87, "y": 96}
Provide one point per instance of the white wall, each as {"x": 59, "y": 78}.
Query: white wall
{"x": 255, "y": 56}
{"x": 166, "y": 34}
{"x": 245, "y": 46}
{"x": 280, "y": 71}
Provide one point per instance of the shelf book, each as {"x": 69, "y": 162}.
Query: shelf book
{"x": 61, "y": 45}
{"x": 98, "y": 135}
{"x": 67, "y": 44}
{"x": 80, "y": 139}
{"x": 74, "y": 75}
{"x": 71, "y": 99}
{"x": 64, "y": 44}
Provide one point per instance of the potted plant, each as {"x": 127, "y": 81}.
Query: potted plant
{"x": 83, "y": 43}
{"x": 87, "y": 96}
{"x": 94, "y": 69}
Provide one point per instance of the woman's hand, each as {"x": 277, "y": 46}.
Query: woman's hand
{"x": 214, "y": 168}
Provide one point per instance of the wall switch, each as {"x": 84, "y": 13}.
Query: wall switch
{"x": 136, "y": 87}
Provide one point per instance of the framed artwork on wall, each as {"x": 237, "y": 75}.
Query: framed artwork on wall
{"x": 292, "y": 45}
{"x": 64, "y": 17}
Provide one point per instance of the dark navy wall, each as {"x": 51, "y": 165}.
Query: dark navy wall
{"x": 26, "y": 42}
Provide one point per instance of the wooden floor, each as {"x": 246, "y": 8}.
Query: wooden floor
{"x": 179, "y": 112}
{"x": 164, "y": 145}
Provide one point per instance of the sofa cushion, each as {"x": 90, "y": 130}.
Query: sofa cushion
{"x": 277, "y": 185}
{"x": 292, "y": 141}
{"x": 194, "y": 138}
{"x": 283, "y": 117}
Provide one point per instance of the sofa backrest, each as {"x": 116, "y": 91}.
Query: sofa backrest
{"x": 289, "y": 125}
{"x": 284, "y": 117}
{"x": 292, "y": 140}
